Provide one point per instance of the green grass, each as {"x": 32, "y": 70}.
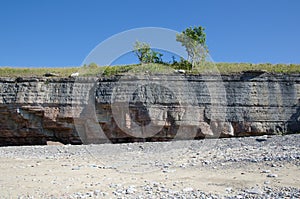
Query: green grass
{"x": 35, "y": 72}
{"x": 227, "y": 68}
{"x": 86, "y": 71}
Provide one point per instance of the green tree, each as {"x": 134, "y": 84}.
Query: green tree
{"x": 194, "y": 41}
{"x": 156, "y": 57}
{"x": 145, "y": 54}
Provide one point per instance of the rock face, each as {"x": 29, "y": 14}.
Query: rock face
{"x": 147, "y": 108}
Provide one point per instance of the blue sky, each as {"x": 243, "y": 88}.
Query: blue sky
{"x": 63, "y": 32}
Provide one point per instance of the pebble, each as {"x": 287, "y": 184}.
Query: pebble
{"x": 130, "y": 190}
{"x": 228, "y": 189}
{"x": 265, "y": 171}
{"x": 262, "y": 138}
{"x": 150, "y": 192}
{"x": 231, "y": 153}
{"x": 206, "y": 162}
{"x": 272, "y": 175}
{"x": 254, "y": 191}
{"x": 187, "y": 189}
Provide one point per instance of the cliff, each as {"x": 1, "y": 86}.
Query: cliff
{"x": 147, "y": 107}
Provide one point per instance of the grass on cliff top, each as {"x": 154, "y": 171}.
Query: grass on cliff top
{"x": 222, "y": 68}
{"x": 227, "y": 68}
{"x": 35, "y": 72}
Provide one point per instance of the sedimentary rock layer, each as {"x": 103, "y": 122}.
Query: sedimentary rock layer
{"x": 147, "y": 107}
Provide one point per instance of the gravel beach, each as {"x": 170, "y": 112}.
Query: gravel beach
{"x": 249, "y": 167}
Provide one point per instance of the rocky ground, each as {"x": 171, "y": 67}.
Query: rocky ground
{"x": 251, "y": 167}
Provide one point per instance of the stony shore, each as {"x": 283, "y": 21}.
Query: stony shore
{"x": 249, "y": 167}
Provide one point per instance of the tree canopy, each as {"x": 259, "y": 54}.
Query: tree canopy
{"x": 145, "y": 54}
{"x": 194, "y": 41}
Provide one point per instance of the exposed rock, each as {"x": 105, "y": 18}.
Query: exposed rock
{"x": 74, "y": 75}
{"x": 51, "y": 75}
{"x": 147, "y": 108}
{"x": 54, "y": 143}
{"x": 180, "y": 71}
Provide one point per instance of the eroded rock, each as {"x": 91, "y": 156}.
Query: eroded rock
{"x": 146, "y": 108}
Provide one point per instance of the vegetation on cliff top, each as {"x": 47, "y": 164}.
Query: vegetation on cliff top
{"x": 222, "y": 68}
{"x": 192, "y": 38}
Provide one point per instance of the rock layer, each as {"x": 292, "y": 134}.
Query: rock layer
{"x": 147, "y": 107}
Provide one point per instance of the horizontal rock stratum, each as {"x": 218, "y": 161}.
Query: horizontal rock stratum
{"x": 147, "y": 107}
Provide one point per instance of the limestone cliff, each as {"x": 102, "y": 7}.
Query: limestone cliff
{"x": 147, "y": 107}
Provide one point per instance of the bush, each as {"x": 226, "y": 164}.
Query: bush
{"x": 182, "y": 64}
{"x": 93, "y": 65}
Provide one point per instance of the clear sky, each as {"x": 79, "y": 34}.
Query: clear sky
{"x": 63, "y": 32}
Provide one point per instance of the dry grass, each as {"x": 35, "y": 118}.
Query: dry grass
{"x": 222, "y": 68}
{"x": 226, "y": 68}
{"x": 35, "y": 72}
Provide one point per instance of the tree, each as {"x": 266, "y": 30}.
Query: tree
{"x": 145, "y": 54}
{"x": 194, "y": 41}
{"x": 156, "y": 57}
